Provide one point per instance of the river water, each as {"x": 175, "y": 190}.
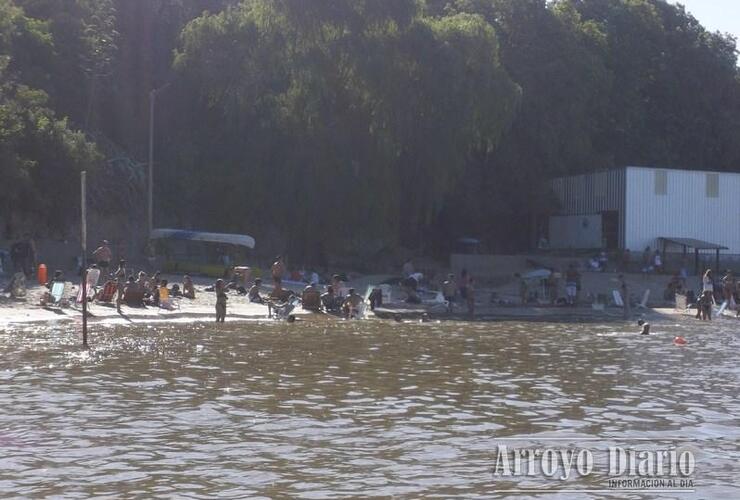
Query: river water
{"x": 363, "y": 409}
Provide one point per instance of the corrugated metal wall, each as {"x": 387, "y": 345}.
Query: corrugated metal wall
{"x": 593, "y": 194}
{"x": 688, "y": 209}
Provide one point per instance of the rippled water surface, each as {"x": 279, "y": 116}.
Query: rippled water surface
{"x": 333, "y": 410}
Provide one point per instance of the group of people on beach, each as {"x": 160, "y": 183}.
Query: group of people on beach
{"x": 124, "y": 286}
{"x": 726, "y": 290}
{"x": 551, "y": 286}
{"x": 336, "y": 299}
{"x": 460, "y": 289}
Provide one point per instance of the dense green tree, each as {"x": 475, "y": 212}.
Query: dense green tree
{"x": 331, "y": 127}
{"x": 362, "y": 119}
{"x": 40, "y": 154}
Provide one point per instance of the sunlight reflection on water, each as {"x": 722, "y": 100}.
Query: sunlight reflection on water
{"x": 317, "y": 410}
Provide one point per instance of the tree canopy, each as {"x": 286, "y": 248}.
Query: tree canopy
{"x": 337, "y": 127}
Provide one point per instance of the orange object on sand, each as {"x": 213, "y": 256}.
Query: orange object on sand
{"x": 42, "y": 274}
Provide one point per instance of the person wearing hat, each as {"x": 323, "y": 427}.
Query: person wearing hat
{"x": 103, "y": 256}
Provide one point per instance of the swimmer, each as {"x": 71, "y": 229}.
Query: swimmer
{"x": 397, "y": 318}
{"x": 291, "y": 318}
{"x": 645, "y": 327}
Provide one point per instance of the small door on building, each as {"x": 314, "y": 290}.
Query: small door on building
{"x": 610, "y": 229}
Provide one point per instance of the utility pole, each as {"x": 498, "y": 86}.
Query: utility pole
{"x": 150, "y": 188}
{"x": 83, "y": 239}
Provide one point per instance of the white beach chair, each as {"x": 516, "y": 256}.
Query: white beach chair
{"x": 56, "y": 295}
{"x": 91, "y": 284}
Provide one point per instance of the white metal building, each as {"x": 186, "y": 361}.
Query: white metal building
{"x": 636, "y": 207}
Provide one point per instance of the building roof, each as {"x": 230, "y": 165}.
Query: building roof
{"x": 646, "y": 167}
{"x": 693, "y": 243}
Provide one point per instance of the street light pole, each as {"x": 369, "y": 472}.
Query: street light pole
{"x": 150, "y": 188}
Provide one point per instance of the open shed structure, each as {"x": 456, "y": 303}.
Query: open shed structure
{"x": 696, "y": 245}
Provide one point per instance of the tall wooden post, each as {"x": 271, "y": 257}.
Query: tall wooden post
{"x": 83, "y": 239}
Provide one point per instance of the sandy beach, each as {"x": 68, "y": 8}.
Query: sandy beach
{"x": 201, "y": 309}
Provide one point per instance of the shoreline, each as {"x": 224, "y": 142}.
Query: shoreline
{"x": 246, "y": 313}
{"x": 202, "y": 310}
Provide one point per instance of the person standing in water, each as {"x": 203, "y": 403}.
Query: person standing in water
{"x": 705, "y": 306}
{"x": 120, "y": 276}
{"x": 645, "y": 327}
{"x": 221, "y": 299}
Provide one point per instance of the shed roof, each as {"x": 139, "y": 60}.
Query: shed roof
{"x": 693, "y": 243}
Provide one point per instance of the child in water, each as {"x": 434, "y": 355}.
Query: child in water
{"x": 645, "y": 327}
{"x": 705, "y": 305}
{"x": 221, "y": 299}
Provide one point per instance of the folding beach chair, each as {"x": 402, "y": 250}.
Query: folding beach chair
{"x": 281, "y": 310}
{"x": 57, "y": 294}
{"x": 108, "y": 292}
{"x": 93, "y": 275}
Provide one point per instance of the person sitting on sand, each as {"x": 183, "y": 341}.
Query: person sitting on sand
{"x": 351, "y": 306}
{"x": 329, "y": 300}
{"x": 311, "y": 298}
{"x": 188, "y": 288}
{"x": 221, "y": 299}
{"x": 154, "y": 294}
{"x": 143, "y": 283}
{"x": 254, "y": 293}
{"x": 645, "y": 327}
{"x": 336, "y": 283}
{"x": 165, "y": 302}
{"x": 133, "y": 296}
{"x": 57, "y": 278}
